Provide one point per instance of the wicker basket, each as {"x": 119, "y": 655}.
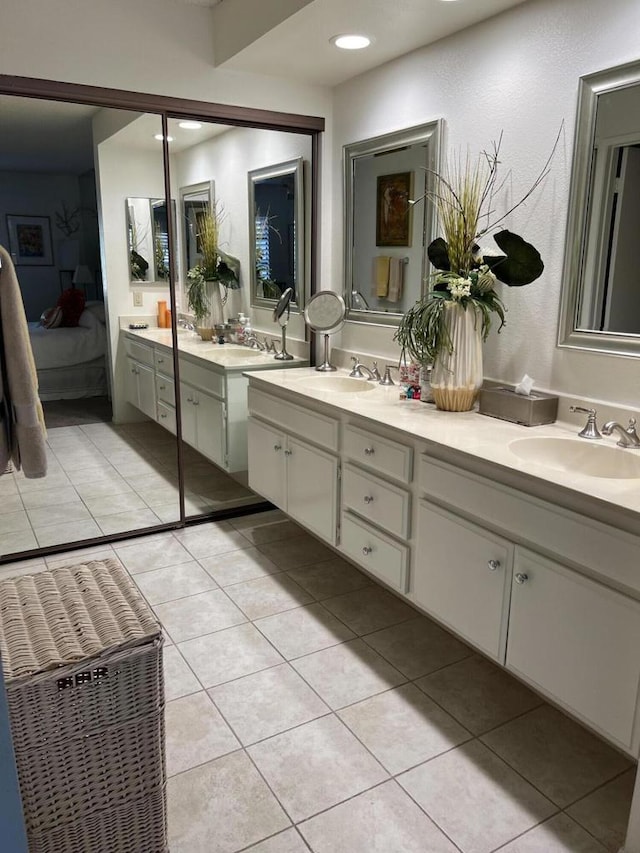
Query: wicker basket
{"x": 82, "y": 655}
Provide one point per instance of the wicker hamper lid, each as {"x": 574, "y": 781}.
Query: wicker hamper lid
{"x": 70, "y": 614}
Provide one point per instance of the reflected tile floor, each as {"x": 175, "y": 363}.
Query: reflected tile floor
{"x": 309, "y": 710}
{"x": 104, "y": 479}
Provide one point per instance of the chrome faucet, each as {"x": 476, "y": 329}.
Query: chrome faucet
{"x": 590, "y": 429}
{"x": 627, "y": 437}
{"x": 253, "y": 342}
{"x": 358, "y": 368}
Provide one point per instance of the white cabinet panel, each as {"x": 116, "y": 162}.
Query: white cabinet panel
{"x": 379, "y": 554}
{"x": 210, "y": 427}
{"x": 377, "y": 501}
{"x": 316, "y": 427}
{"x": 267, "y": 462}
{"x": 461, "y": 575}
{"x": 380, "y": 454}
{"x": 189, "y": 428}
{"x": 147, "y": 390}
{"x": 312, "y": 488}
{"x": 577, "y": 641}
{"x": 167, "y": 417}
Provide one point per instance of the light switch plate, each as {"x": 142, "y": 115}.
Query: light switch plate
{"x": 137, "y": 299}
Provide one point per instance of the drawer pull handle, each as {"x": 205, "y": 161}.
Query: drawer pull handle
{"x": 367, "y": 550}
{"x": 277, "y": 447}
{"x": 163, "y": 414}
{"x": 369, "y": 451}
{"x": 162, "y": 387}
{"x": 288, "y": 452}
{"x": 493, "y": 565}
{"x": 368, "y": 499}
{"x": 521, "y": 577}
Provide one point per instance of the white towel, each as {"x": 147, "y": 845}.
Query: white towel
{"x": 381, "y": 276}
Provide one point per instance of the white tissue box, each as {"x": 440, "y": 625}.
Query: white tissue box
{"x": 503, "y": 403}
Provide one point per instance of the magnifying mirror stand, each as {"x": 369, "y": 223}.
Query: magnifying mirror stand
{"x": 326, "y": 366}
{"x": 283, "y": 355}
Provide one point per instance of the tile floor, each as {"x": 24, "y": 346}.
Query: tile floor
{"x": 310, "y": 710}
{"x": 105, "y": 479}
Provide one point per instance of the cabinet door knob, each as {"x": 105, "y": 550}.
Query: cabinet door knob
{"x": 160, "y": 360}
{"x": 189, "y": 399}
{"x": 288, "y": 452}
{"x": 369, "y": 451}
{"x": 277, "y": 447}
{"x": 196, "y": 402}
{"x": 368, "y": 499}
{"x": 162, "y": 387}
{"x": 493, "y": 565}
{"x": 163, "y": 414}
{"x": 521, "y": 577}
{"x": 367, "y": 550}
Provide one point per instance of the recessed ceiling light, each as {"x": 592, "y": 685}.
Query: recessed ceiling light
{"x": 160, "y": 137}
{"x": 351, "y": 41}
{"x": 190, "y": 125}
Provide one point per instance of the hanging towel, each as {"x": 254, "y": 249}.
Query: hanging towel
{"x": 381, "y": 276}
{"x": 22, "y": 432}
{"x": 396, "y": 272}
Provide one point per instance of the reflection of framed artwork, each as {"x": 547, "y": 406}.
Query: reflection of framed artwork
{"x": 393, "y": 211}
{"x": 30, "y": 240}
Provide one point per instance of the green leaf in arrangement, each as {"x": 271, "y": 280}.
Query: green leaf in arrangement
{"x": 521, "y": 263}
{"x": 438, "y": 252}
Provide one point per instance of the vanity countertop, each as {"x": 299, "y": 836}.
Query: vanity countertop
{"x": 469, "y": 438}
{"x": 229, "y": 357}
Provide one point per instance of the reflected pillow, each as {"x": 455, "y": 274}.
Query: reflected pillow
{"x": 51, "y": 318}
{"x": 88, "y": 320}
{"x": 97, "y": 309}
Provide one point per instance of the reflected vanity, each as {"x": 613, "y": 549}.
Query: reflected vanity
{"x": 388, "y": 225}
{"x": 601, "y": 299}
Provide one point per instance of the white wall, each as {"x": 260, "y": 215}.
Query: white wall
{"x": 518, "y": 73}
{"x": 227, "y": 159}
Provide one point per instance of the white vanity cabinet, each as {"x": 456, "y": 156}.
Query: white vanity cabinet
{"x": 462, "y": 576}
{"x": 299, "y": 477}
{"x": 577, "y": 641}
{"x": 140, "y": 379}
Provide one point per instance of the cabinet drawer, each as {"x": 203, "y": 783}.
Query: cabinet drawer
{"x": 577, "y": 641}
{"x": 313, "y": 426}
{"x": 163, "y": 360}
{"x": 202, "y": 377}
{"x": 377, "y": 501}
{"x": 377, "y": 453}
{"x": 167, "y": 417}
{"x": 379, "y": 554}
{"x": 461, "y": 575}
{"x": 139, "y": 351}
{"x": 165, "y": 390}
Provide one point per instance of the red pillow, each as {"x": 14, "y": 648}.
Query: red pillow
{"x": 72, "y": 303}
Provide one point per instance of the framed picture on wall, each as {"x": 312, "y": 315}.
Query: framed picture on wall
{"x": 30, "y": 240}
{"x": 393, "y": 211}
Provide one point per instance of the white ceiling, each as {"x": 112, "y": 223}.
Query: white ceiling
{"x": 299, "y": 46}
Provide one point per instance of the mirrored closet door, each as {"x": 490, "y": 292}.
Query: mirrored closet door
{"x": 144, "y": 396}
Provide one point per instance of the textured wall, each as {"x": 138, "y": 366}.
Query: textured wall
{"x": 517, "y": 73}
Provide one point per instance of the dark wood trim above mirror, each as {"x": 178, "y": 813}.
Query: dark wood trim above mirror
{"x": 32, "y": 87}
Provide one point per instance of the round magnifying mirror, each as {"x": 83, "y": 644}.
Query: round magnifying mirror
{"x": 325, "y": 312}
{"x": 283, "y": 308}
{"x": 281, "y": 315}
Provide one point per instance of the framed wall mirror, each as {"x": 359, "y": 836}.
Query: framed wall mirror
{"x": 148, "y": 240}
{"x": 277, "y": 233}
{"x": 601, "y": 296}
{"x": 386, "y": 233}
{"x": 195, "y": 201}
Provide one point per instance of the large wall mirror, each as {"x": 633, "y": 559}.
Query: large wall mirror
{"x": 146, "y": 427}
{"x": 386, "y": 230}
{"x": 601, "y": 298}
{"x": 277, "y": 233}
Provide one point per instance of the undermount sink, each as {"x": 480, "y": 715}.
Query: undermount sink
{"x": 338, "y": 384}
{"x": 579, "y": 456}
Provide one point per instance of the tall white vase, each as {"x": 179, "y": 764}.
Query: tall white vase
{"x": 215, "y": 315}
{"x": 457, "y": 375}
